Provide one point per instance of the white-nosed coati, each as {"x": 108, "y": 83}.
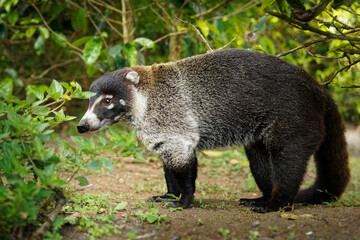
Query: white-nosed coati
{"x": 230, "y": 97}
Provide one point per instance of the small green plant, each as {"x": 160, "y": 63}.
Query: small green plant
{"x": 151, "y": 216}
{"x": 200, "y": 222}
{"x": 175, "y": 209}
{"x": 273, "y": 228}
{"x": 292, "y": 234}
{"x": 224, "y": 232}
{"x": 253, "y": 234}
{"x": 87, "y": 207}
{"x": 131, "y": 235}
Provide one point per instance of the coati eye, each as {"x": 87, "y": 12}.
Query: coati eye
{"x": 107, "y": 100}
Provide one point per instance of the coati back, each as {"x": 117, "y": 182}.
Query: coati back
{"x": 230, "y": 97}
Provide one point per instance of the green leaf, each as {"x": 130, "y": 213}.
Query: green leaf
{"x": 82, "y": 40}
{"x": 79, "y": 20}
{"x": 121, "y": 206}
{"x": 83, "y": 95}
{"x": 107, "y": 164}
{"x": 6, "y": 88}
{"x": 83, "y": 142}
{"x": 57, "y": 224}
{"x": 38, "y": 147}
{"x": 82, "y": 181}
{"x": 41, "y": 175}
{"x": 145, "y": 42}
{"x": 266, "y": 3}
{"x": 29, "y": 32}
{"x": 39, "y": 93}
{"x": 92, "y": 51}
{"x": 59, "y": 39}
{"x": 13, "y": 17}
{"x": 151, "y": 218}
{"x": 203, "y": 27}
{"x": 59, "y": 116}
{"x": 59, "y": 184}
{"x": 56, "y": 91}
{"x": 130, "y": 53}
{"x": 44, "y": 32}
{"x": 213, "y": 28}
{"x": 30, "y": 21}
{"x": 38, "y": 45}
{"x": 69, "y": 118}
{"x": 94, "y": 165}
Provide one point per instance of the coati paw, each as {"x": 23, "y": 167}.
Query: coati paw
{"x": 162, "y": 198}
{"x": 250, "y": 201}
{"x": 267, "y": 206}
{"x": 175, "y": 204}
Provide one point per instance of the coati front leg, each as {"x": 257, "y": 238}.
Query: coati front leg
{"x": 184, "y": 176}
{"x": 172, "y": 188}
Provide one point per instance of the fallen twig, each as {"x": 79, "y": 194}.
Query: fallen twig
{"x": 40, "y": 232}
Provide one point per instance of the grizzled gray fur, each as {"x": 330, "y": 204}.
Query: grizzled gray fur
{"x": 230, "y": 97}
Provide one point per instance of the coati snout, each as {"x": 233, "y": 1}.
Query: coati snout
{"x": 276, "y": 110}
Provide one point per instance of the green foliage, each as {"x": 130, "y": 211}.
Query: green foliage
{"x": 152, "y": 216}
{"x": 28, "y": 166}
{"x": 86, "y": 210}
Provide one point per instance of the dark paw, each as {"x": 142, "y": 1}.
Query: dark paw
{"x": 267, "y": 206}
{"x": 250, "y": 201}
{"x": 162, "y": 198}
{"x": 175, "y": 204}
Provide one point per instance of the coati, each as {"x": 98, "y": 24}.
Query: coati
{"x": 278, "y": 112}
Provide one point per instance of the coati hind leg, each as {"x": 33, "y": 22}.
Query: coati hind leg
{"x": 261, "y": 168}
{"x": 289, "y": 163}
{"x": 172, "y": 188}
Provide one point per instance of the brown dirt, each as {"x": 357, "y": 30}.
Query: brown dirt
{"x": 216, "y": 206}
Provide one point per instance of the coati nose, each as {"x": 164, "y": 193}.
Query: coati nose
{"x": 84, "y": 127}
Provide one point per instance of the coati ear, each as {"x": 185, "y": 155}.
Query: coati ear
{"x": 133, "y": 76}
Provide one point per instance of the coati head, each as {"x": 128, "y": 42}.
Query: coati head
{"x": 112, "y": 101}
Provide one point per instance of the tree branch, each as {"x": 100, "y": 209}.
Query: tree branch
{"x": 52, "y": 31}
{"x": 302, "y": 46}
{"x": 351, "y": 86}
{"x": 210, "y": 10}
{"x": 106, "y": 19}
{"x": 340, "y": 70}
{"x": 202, "y": 36}
{"x": 163, "y": 37}
{"x": 306, "y": 26}
{"x": 40, "y": 232}
{"x": 46, "y": 71}
{"x": 245, "y": 7}
{"x": 310, "y": 14}
{"x": 226, "y": 45}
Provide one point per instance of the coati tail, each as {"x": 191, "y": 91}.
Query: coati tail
{"x": 331, "y": 160}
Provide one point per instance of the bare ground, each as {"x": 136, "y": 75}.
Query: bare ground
{"x": 216, "y": 209}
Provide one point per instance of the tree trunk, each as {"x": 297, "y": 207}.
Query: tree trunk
{"x": 127, "y": 20}
{"x": 175, "y": 48}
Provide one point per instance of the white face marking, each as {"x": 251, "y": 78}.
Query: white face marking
{"x": 90, "y": 117}
{"x": 111, "y": 106}
{"x": 122, "y": 102}
{"x": 109, "y": 96}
